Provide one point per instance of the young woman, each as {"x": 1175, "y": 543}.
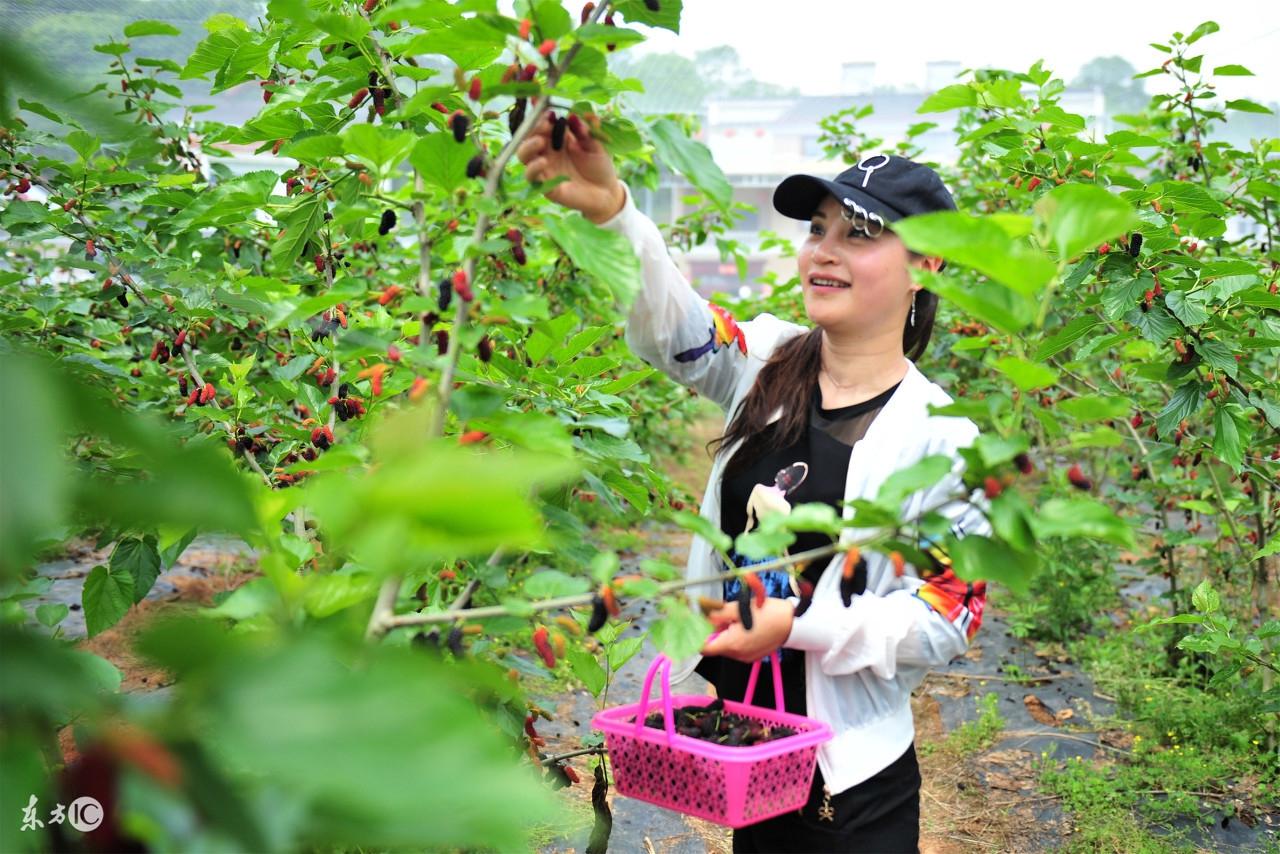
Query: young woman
{"x": 822, "y": 414}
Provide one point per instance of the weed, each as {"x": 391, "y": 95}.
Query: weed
{"x": 972, "y": 736}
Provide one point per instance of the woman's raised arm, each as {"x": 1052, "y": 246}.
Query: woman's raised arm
{"x": 669, "y": 326}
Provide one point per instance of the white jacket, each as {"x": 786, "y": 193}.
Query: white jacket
{"x": 863, "y": 661}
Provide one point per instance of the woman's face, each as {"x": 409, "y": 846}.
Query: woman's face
{"x": 854, "y": 284}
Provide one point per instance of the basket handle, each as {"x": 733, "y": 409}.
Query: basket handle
{"x": 663, "y": 663}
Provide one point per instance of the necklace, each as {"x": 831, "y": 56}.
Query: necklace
{"x": 832, "y": 380}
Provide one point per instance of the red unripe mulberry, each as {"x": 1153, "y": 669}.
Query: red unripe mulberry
{"x": 389, "y": 293}
{"x": 526, "y": 27}
{"x": 543, "y": 647}
{"x": 462, "y": 286}
{"x": 180, "y": 340}
{"x": 899, "y": 564}
{"x": 357, "y": 98}
{"x": 476, "y": 89}
{"x": 472, "y": 436}
{"x": 992, "y": 487}
{"x": 1033, "y": 183}
{"x": 547, "y": 47}
{"x": 207, "y": 393}
{"x": 1077, "y": 478}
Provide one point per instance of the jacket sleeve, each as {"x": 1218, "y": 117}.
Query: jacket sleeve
{"x": 670, "y": 326}
{"x": 924, "y": 623}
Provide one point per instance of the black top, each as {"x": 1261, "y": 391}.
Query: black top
{"x": 814, "y": 469}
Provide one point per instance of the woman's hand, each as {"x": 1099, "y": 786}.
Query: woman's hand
{"x": 770, "y": 627}
{"x": 591, "y": 184}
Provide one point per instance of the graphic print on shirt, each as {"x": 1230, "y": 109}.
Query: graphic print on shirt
{"x": 724, "y": 331}
{"x": 766, "y": 499}
{"x": 960, "y": 602}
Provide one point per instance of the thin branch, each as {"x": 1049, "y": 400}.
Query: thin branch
{"x": 552, "y": 760}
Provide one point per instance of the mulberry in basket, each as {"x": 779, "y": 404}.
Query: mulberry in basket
{"x": 733, "y": 786}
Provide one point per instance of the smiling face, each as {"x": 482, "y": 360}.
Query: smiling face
{"x": 854, "y": 285}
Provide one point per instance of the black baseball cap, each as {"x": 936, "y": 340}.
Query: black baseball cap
{"x": 880, "y": 185}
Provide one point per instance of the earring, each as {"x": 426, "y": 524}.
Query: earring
{"x": 913, "y": 309}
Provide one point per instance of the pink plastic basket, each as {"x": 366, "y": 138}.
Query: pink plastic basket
{"x": 733, "y": 786}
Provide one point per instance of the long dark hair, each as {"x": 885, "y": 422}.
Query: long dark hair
{"x": 788, "y": 378}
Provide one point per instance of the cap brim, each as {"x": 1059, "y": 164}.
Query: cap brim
{"x": 798, "y": 196}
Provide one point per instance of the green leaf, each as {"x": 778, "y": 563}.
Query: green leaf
{"x": 691, "y": 159}
{"x": 1065, "y": 337}
{"x": 1005, "y": 309}
{"x": 1226, "y": 436}
{"x": 703, "y": 527}
{"x": 40, "y": 110}
{"x": 1205, "y": 599}
{"x": 978, "y": 243}
{"x": 1095, "y": 407}
{"x": 326, "y": 594}
{"x": 1245, "y": 106}
{"x": 995, "y": 450}
{"x": 903, "y": 482}
{"x": 106, "y": 597}
{"x": 49, "y": 614}
{"x": 1026, "y": 375}
{"x": 314, "y": 149}
{"x": 621, "y": 651}
{"x": 587, "y": 669}
{"x": 1156, "y": 324}
{"x": 299, "y": 222}
{"x": 1232, "y": 71}
{"x": 441, "y": 161}
{"x": 1187, "y": 307}
{"x": 1183, "y": 403}
{"x": 976, "y": 558}
{"x": 1202, "y": 30}
{"x": 604, "y": 254}
{"x": 140, "y": 559}
{"x": 380, "y": 146}
{"x": 471, "y": 43}
{"x": 83, "y": 143}
{"x": 667, "y": 15}
{"x": 681, "y": 633}
{"x": 1078, "y": 217}
{"x": 150, "y": 28}
{"x": 37, "y": 482}
{"x": 1081, "y": 517}
{"x": 1184, "y": 197}
{"x": 552, "y": 583}
{"x": 950, "y": 98}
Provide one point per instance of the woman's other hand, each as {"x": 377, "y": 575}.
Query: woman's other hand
{"x": 591, "y": 184}
{"x": 771, "y": 626}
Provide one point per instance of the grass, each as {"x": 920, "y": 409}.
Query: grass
{"x": 971, "y": 736}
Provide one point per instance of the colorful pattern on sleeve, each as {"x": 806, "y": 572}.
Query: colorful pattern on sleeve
{"x": 724, "y": 331}
{"x": 960, "y": 602}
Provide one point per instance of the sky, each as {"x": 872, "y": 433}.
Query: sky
{"x": 803, "y": 43}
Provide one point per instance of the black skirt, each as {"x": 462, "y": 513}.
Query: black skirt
{"x": 881, "y": 814}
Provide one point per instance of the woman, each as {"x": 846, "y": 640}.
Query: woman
{"x": 816, "y": 415}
